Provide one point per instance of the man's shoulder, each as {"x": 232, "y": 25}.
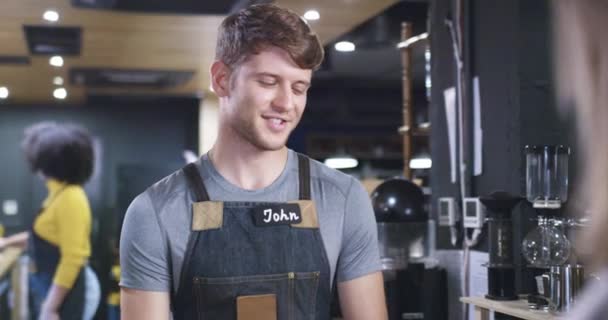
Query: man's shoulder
{"x": 330, "y": 177}
{"x": 167, "y": 189}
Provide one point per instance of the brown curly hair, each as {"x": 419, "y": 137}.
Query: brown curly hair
{"x": 250, "y": 30}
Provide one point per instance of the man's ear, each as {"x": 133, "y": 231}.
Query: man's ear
{"x": 220, "y": 78}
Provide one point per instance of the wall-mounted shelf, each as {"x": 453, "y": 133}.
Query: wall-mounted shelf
{"x": 414, "y": 136}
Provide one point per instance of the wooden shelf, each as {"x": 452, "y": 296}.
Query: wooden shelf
{"x": 515, "y": 308}
{"x": 414, "y": 131}
{"x": 421, "y": 132}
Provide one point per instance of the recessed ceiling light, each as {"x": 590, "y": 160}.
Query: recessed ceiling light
{"x": 58, "y": 81}
{"x": 342, "y": 162}
{"x": 345, "y": 46}
{"x": 56, "y": 61}
{"x": 3, "y": 92}
{"x": 421, "y": 163}
{"x": 60, "y": 93}
{"x": 312, "y": 15}
{"x": 51, "y": 15}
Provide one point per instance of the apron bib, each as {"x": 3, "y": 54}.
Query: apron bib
{"x": 254, "y": 260}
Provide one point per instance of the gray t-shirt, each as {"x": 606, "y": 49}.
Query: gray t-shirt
{"x": 157, "y": 224}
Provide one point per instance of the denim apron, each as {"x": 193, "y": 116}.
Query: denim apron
{"x": 46, "y": 256}
{"x": 253, "y": 260}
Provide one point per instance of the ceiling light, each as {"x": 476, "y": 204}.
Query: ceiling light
{"x": 3, "y": 92}
{"x": 56, "y": 61}
{"x": 421, "y": 161}
{"x": 345, "y": 46}
{"x": 51, "y": 15}
{"x": 60, "y": 93}
{"x": 58, "y": 81}
{"x": 341, "y": 162}
{"x": 312, "y": 15}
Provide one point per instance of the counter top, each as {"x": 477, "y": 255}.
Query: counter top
{"x": 515, "y": 308}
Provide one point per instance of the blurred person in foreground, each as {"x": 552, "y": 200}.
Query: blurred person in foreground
{"x": 582, "y": 75}
{"x": 62, "y": 284}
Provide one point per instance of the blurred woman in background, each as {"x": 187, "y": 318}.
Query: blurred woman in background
{"x": 582, "y": 75}
{"x": 59, "y": 240}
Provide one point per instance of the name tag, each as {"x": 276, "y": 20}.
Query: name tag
{"x": 277, "y": 214}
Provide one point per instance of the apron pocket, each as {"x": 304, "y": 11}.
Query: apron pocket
{"x": 296, "y": 294}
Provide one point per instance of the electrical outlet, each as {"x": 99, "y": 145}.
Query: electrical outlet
{"x": 447, "y": 212}
{"x": 474, "y": 213}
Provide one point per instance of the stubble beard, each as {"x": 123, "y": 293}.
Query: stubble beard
{"x": 248, "y": 131}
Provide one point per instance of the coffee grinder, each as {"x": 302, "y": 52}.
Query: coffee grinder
{"x": 412, "y": 290}
{"x": 501, "y": 269}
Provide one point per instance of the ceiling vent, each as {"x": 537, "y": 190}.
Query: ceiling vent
{"x": 147, "y": 100}
{"x": 102, "y": 77}
{"x": 169, "y": 7}
{"x": 44, "y": 40}
{"x": 14, "y": 60}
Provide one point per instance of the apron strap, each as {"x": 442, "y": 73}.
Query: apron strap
{"x": 196, "y": 183}
{"x": 197, "y": 187}
{"x": 304, "y": 176}
{"x": 200, "y": 192}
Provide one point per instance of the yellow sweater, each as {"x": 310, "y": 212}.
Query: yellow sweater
{"x": 65, "y": 222}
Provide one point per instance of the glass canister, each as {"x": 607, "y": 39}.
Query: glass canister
{"x": 547, "y": 175}
{"x": 546, "y": 245}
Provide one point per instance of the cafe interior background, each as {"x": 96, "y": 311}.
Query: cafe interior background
{"x": 454, "y": 96}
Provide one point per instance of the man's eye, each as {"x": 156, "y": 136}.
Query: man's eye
{"x": 267, "y": 81}
{"x": 299, "y": 90}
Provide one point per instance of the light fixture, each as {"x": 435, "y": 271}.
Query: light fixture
{"x": 341, "y": 162}
{"x": 345, "y": 46}
{"x": 56, "y": 61}
{"x": 312, "y": 15}
{"x": 60, "y": 93}
{"x": 51, "y": 16}
{"x": 58, "y": 81}
{"x": 4, "y": 92}
{"x": 424, "y": 125}
{"x": 421, "y": 161}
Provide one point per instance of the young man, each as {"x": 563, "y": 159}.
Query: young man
{"x": 254, "y": 230}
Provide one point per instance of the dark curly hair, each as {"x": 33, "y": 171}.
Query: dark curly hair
{"x": 62, "y": 152}
{"x": 250, "y": 30}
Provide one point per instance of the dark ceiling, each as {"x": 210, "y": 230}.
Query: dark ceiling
{"x": 376, "y": 62}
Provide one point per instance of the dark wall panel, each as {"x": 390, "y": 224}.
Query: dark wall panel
{"x": 511, "y": 53}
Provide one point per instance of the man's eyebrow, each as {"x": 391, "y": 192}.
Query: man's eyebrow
{"x": 265, "y": 74}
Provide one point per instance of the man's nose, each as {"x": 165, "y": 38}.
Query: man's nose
{"x": 284, "y": 98}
